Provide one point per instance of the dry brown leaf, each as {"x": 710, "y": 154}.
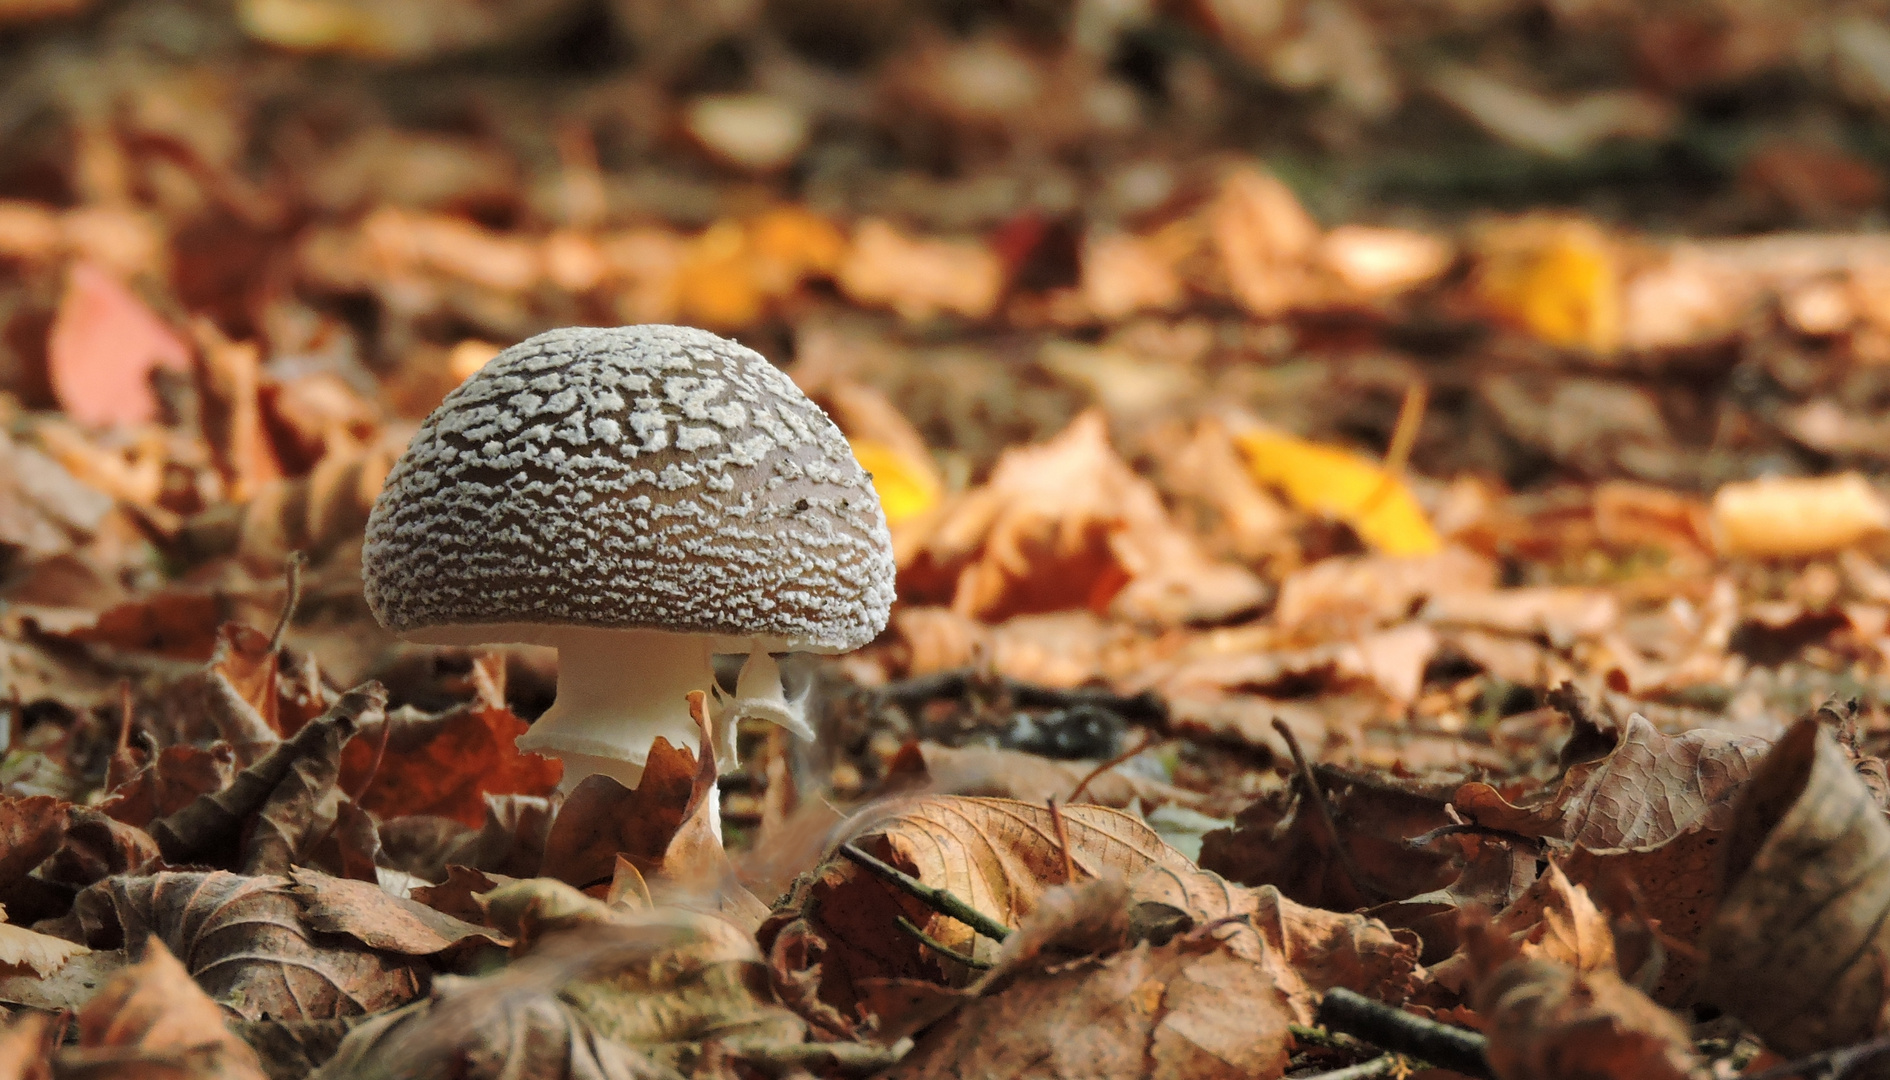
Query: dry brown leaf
{"x": 96, "y": 846}
{"x": 370, "y": 915}
{"x": 447, "y": 765}
{"x": 31, "y": 829}
{"x": 170, "y": 782}
{"x": 42, "y": 953}
{"x": 1647, "y": 790}
{"x": 216, "y": 825}
{"x": 601, "y": 819}
{"x": 505, "y": 1025}
{"x": 247, "y": 944}
{"x": 1266, "y": 241}
{"x": 920, "y": 277}
{"x": 1150, "y": 1013}
{"x": 1066, "y": 524}
{"x": 1335, "y": 597}
{"x": 1552, "y": 920}
{"x": 838, "y": 929}
{"x": 1547, "y": 1021}
{"x": 1283, "y": 841}
{"x": 152, "y": 1016}
{"x": 1796, "y": 948}
{"x": 1305, "y": 951}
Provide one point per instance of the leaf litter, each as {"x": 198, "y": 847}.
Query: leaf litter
{"x": 1388, "y": 505}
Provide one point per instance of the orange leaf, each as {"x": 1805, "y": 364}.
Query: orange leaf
{"x": 105, "y": 344}
{"x": 447, "y": 765}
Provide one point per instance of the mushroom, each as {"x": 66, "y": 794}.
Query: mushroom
{"x": 638, "y": 498}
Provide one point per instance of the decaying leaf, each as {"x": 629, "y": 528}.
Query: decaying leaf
{"x": 247, "y": 944}
{"x": 1648, "y": 789}
{"x": 150, "y": 1019}
{"x": 1797, "y": 945}
{"x": 42, "y": 954}
{"x": 446, "y": 765}
{"x": 1548, "y": 1021}
{"x": 214, "y": 824}
{"x": 1068, "y": 525}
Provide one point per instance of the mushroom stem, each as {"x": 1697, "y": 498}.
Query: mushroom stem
{"x": 617, "y": 691}
{"x": 758, "y": 693}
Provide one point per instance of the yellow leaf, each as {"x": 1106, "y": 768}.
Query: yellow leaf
{"x": 906, "y": 488}
{"x": 1556, "y": 278}
{"x": 1345, "y": 485}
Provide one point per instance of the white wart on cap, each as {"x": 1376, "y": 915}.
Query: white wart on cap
{"x": 637, "y": 497}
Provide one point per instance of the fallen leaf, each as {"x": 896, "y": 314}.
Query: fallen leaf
{"x": 601, "y": 819}
{"x": 1283, "y": 841}
{"x": 446, "y": 765}
{"x": 1331, "y": 480}
{"x": 152, "y": 1016}
{"x": 247, "y": 944}
{"x": 1797, "y": 516}
{"x": 1353, "y": 594}
{"x": 1557, "y": 278}
{"x": 1646, "y": 790}
{"x": 43, "y": 953}
{"x": 920, "y": 277}
{"x": 1067, "y": 524}
{"x": 1150, "y": 1013}
{"x": 1552, "y": 920}
{"x": 175, "y": 778}
{"x": 369, "y": 915}
{"x": 105, "y": 344}
{"x": 1795, "y": 948}
{"x": 216, "y": 825}
{"x": 1547, "y": 1021}
{"x": 1265, "y": 240}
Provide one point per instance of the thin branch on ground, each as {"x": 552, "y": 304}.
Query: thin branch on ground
{"x": 1076, "y": 793}
{"x": 1401, "y": 1032}
{"x": 1387, "y": 1065}
{"x": 1833, "y": 1064}
{"x": 1317, "y": 795}
{"x": 939, "y": 900}
{"x": 940, "y": 947}
{"x": 1063, "y": 842}
{"x": 293, "y": 568}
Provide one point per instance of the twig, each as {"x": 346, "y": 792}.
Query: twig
{"x": 1318, "y": 797}
{"x": 1403, "y": 437}
{"x": 293, "y": 600}
{"x": 1077, "y": 792}
{"x": 1063, "y": 842}
{"x": 939, "y": 900}
{"x": 940, "y": 947}
{"x": 1403, "y": 1033}
{"x": 1318, "y": 1036}
{"x": 1387, "y": 1065}
{"x": 1832, "y": 1064}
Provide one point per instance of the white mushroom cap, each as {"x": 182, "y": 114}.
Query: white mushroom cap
{"x": 638, "y": 478}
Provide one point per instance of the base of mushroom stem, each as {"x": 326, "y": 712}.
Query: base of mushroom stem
{"x": 627, "y": 773}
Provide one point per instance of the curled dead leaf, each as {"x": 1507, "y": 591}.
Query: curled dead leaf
{"x": 1797, "y": 945}
{"x": 247, "y": 944}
